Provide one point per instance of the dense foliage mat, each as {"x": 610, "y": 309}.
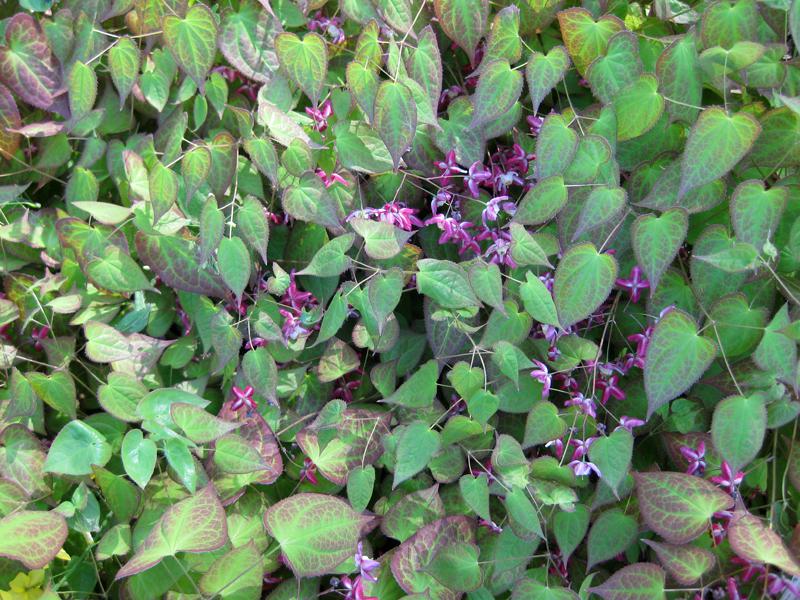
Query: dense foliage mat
{"x": 399, "y": 299}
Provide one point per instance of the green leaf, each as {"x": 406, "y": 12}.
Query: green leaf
{"x": 196, "y": 524}
{"x": 425, "y": 66}
{"x": 755, "y": 542}
{"x": 524, "y": 518}
{"x": 555, "y": 147}
{"x": 482, "y": 405}
{"x": 262, "y": 152}
{"x": 412, "y": 512}
{"x": 308, "y": 200}
{"x": 238, "y": 574}
{"x": 604, "y": 204}
{"x": 737, "y": 325}
{"x": 338, "y": 360}
{"x": 76, "y": 448}
{"x": 57, "y": 390}
{"x": 360, "y": 486}
{"x": 163, "y": 186}
{"x": 363, "y": 83}
{"x": 382, "y": 240}
{"x": 676, "y": 358}
{"x": 116, "y": 271}
{"x": 475, "y": 492}
{"x": 570, "y": 528}
{"x": 82, "y": 89}
{"x": 123, "y": 62}
{"x": 656, "y": 241}
{"x": 538, "y": 300}
{"x": 395, "y": 118}
{"x": 777, "y": 353}
{"x": 192, "y": 41}
{"x": 446, "y": 283}
{"x": 304, "y": 61}
{"x": 756, "y": 212}
{"x": 121, "y": 495}
{"x": 738, "y": 428}
{"x": 543, "y": 424}
{"x": 640, "y": 581}
{"x": 463, "y": 21}
{"x": 456, "y": 567}
{"x": 331, "y": 259}
{"x": 611, "y": 534}
{"x": 247, "y": 40}
{"x": 544, "y": 71}
{"x": 715, "y": 144}
{"x": 542, "y": 202}
{"x": 32, "y": 537}
{"x": 175, "y": 261}
{"x": 416, "y": 446}
{"x": 687, "y": 564}
{"x": 583, "y": 280}
{"x": 736, "y": 258}
{"x": 195, "y": 168}
{"x": 252, "y": 223}
{"x": 618, "y": 69}
{"x": 677, "y": 506}
{"x": 199, "y": 426}
{"x": 680, "y": 79}
{"x": 138, "y": 457}
{"x": 234, "y": 264}
{"x": 487, "y": 284}
{"x": 499, "y": 87}
{"x": 585, "y": 38}
{"x": 612, "y": 455}
{"x": 525, "y": 249}
{"x": 316, "y": 532}
{"x": 638, "y": 108}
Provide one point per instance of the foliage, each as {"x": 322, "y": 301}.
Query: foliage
{"x": 399, "y": 299}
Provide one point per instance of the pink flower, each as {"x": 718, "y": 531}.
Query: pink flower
{"x": 308, "y": 472}
{"x": 320, "y": 115}
{"x": 329, "y": 180}
{"x": 292, "y": 326}
{"x": 581, "y": 468}
{"x": 727, "y": 479}
{"x": 558, "y": 444}
{"x": 535, "y": 123}
{"x": 477, "y": 175}
{"x": 586, "y": 405}
{"x": 542, "y": 375}
{"x": 581, "y": 447}
{"x": 366, "y": 565}
{"x": 629, "y": 423}
{"x": 695, "y": 457}
{"x": 448, "y": 167}
{"x": 634, "y": 284}
{"x": 38, "y": 335}
{"x": 243, "y": 397}
{"x": 610, "y": 389}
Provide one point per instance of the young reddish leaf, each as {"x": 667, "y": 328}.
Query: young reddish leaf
{"x": 259, "y": 437}
{"x": 687, "y": 564}
{"x": 755, "y": 542}
{"x": 192, "y": 41}
{"x": 27, "y": 65}
{"x": 676, "y": 358}
{"x": 395, "y": 118}
{"x": 123, "y": 62}
{"x": 304, "y": 61}
{"x": 196, "y": 524}
{"x": 544, "y": 71}
{"x": 316, "y": 532}
{"x": 247, "y": 41}
{"x": 585, "y": 38}
{"x": 611, "y": 534}
{"x": 464, "y": 22}
{"x": 412, "y": 512}
{"x": 656, "y": 241}
{"x": 499, "y": 87}
{"x": 678, "y": 506}
{"x": 738, "y": 429}
{"x": 32, "y": 537}
{"x": 174, "y": 261}
{"x": 413, "y": 555}
{"x": 640, "y": 581}
{"x": 716, "y": 143}
{"x": 584, "y": 279}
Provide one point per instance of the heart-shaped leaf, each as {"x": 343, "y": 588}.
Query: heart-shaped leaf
{"x": 738, "y": 428}
{"x": 32, "y": 537}
{"x": 499, "y": 87}
{"x": 584, "y": 279}
{"x": 464, "y": 22}
{"x": 585, "y": 38}
{"x": 656, "y": 241}
{"x": 617, "y": 69}
{"x": 640, "y": 581}
{"x": 544, "y": 71}
{"x": 192, "y": 41}
{"x": 305, "y": 61}
{"x": 395, "y": 118}
{"x": 685, "y": 563}
{"x": 612, "y": 454}
{"x": 755, "y": 542}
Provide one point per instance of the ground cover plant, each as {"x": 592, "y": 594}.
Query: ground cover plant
{"x": 399, "y": 299}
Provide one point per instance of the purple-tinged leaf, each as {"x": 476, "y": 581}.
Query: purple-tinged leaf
{"x": 464, "y": 22}
{"x": 305, "y": 61}
{"x": 656, "y": 241}
{"x": 395, "y": 118}
{"x": 585, "y": 38}
{"x": 584, "y": 279}
{"x": 32, "y": 537}
{"x": 678, "y": 506}
{"x": 195, "y": 168}
{"x": 316, "y": 532}
{"x": 687, "y": 564}
{"x": 640, "y": 581}
{"x": 544, "y": 71}
{"x": 259, "y": 436}
{"x": 10, "y": 121}
{"x": 192, "y": 41}
{"x": 499, "y": 87}
{"x": 27, "y": 65}
{"x": 753, "y": 541}
{"x": 247, "y": 39}
{"x": 123, "y": 62}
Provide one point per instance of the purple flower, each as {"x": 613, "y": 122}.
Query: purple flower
{"x": 499, "y": 251}
{"x": 494, "y": 206}
{"x": 535, "y": 123}
{"x": 308, "y": 472}
{"x": 329, "y": 180}
{"x": 629, "y": 423}
{"x": 586, "y": 405}
{"x": 477, "y": 175}
{"x": 610, "y": 389}
{"x": 366, "y": 565}
{"x": 296, "y": 299}
{"x": 581, "y": 468}
{"x": 320, "y": 115}
{"x": 243, "y": 397}
{"x": 581, "y": 447}
{"x": 292, "y": 326}
{"x": 448, "y": 167}
{"x": 695, "y": 458}
{"x": 727, "y": 479}
{"x": 332, "y": 27}
{"x": 558, "y": 444}
{"x": 455, "y": 231}
{"x": 634, "y": 284}
{"x": 542, "y": 375}
{"x": 39, "y": 335}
